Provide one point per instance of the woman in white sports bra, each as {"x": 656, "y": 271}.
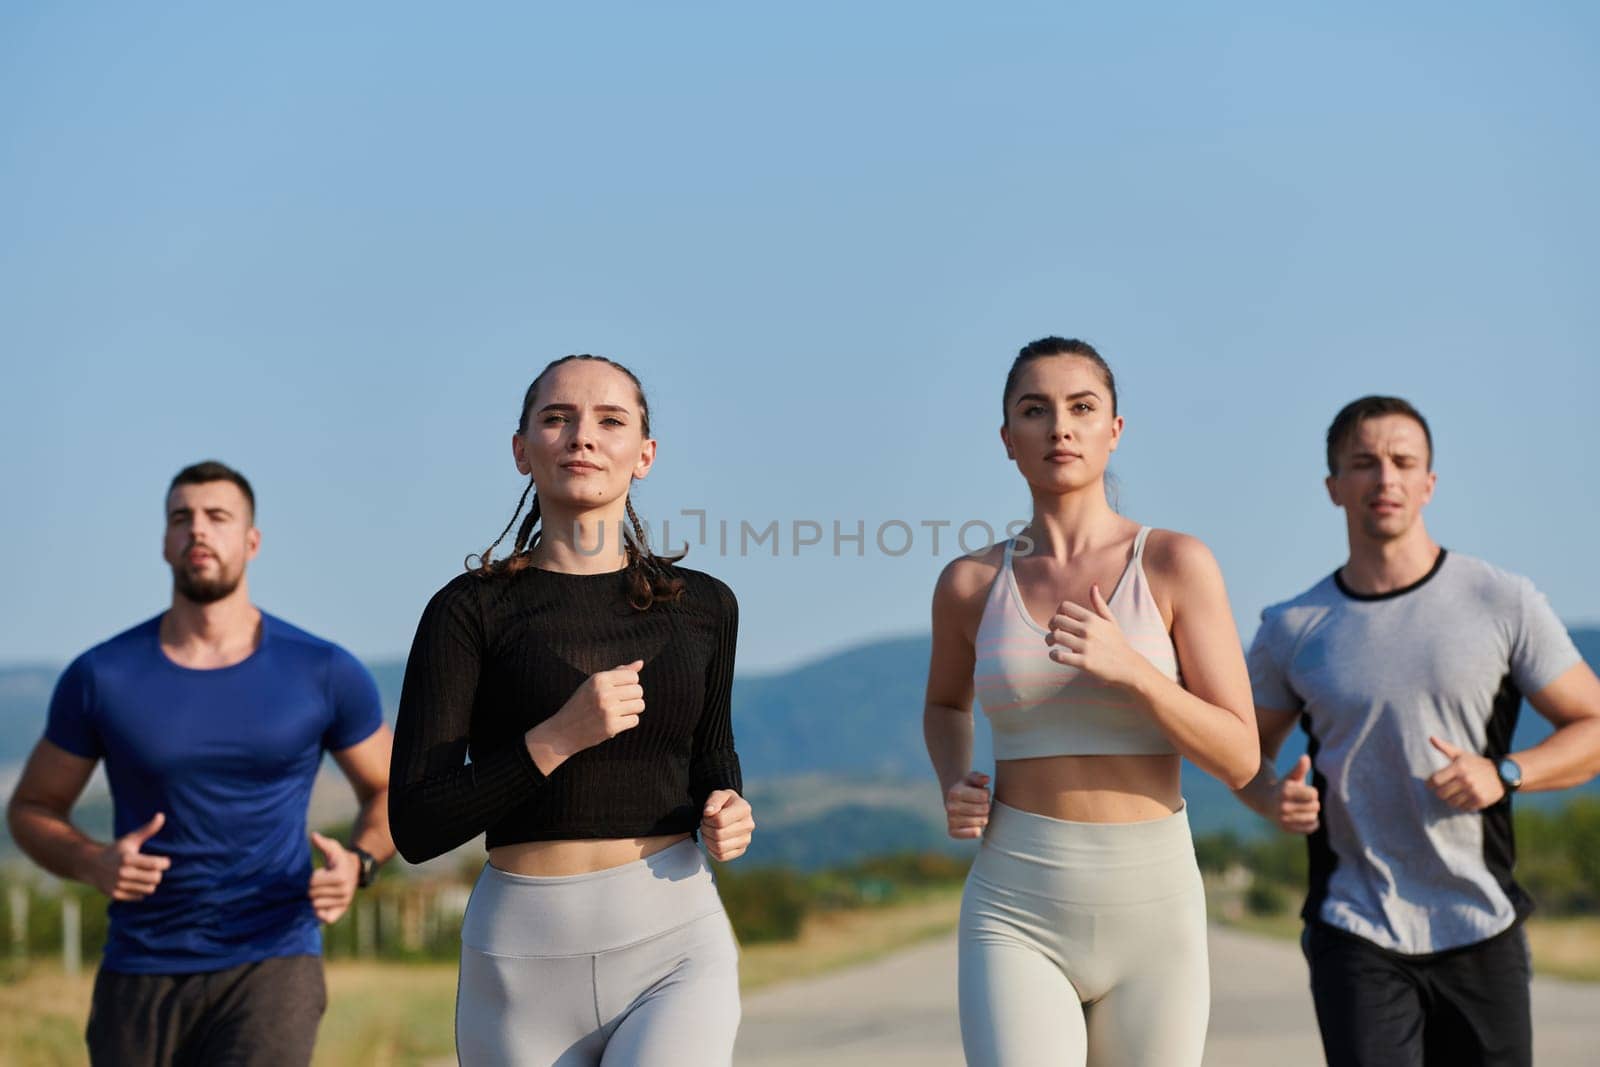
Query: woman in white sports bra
{"x": 1102, "y": 653}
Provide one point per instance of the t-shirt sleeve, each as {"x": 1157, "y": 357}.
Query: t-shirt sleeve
{"x": 357, "y": 708}
{"x": 714, "y": 763}
{"x": 1541, "y": 648}
{"x": 70, "y": 724}
{"x": 1268, "y": 661}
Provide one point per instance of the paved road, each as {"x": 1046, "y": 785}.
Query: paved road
{"x": 900, "y": 1011}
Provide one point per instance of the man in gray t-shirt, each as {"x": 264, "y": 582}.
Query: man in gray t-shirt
{"x": 1406, "y": 668}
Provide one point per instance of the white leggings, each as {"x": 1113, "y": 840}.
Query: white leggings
{"x": 631, "y": 965}
{"x": 1083, "y": 944}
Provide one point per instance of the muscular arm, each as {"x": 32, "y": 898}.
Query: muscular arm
{"x": 366, "y": 766}
{"x": 39, "y": 814}
{"x": 1208, "y": 718}
{"x": 1570, "y": 756}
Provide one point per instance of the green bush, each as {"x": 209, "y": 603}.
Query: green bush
{"x": 764, "y": 904}
{"x": 1215, "y": 853}
{"x": 1265, "y": 899}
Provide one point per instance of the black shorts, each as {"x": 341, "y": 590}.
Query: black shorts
{"x": 263, "y": 1013}
{"x": 1467, "y": 1007}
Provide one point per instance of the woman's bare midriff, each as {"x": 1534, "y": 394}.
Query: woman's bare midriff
{"x": 552, "y": 859}
{"x": 1091, "y": 788}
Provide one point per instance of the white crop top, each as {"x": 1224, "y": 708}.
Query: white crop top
{"x": 1038, "y": 707}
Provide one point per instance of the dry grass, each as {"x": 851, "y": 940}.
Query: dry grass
{"x": 388, "y": 1015}
{"x": 1566, "y": 948}
{"x": 832, "y": 939}
{"x": 378, "y": 1014}
{"x": 42, "y": 1017}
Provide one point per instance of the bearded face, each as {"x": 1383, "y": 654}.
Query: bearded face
{"x": 210, "y": 537}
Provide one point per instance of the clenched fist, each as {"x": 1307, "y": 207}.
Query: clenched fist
{"x": 334, "y": 885}
{"x": 966, "y": 806}
{"x": 1297, "y": 806}
{"x": 1091, "y": 639}
{"x": 605, "y": 705}
{"x": 122, "y": 872}
{"x": 726, "y": 825}
{"x": 1469, "y": 782}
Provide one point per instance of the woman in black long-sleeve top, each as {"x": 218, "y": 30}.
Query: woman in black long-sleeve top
{"x": 571, "y": 702}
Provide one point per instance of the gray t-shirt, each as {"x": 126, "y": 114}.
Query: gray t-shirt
{"x": 1373, "y": 678}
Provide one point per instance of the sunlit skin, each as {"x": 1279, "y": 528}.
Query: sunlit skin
{"x": 210, "y": 537}
{"x": 1060, "y": 431}
{"x": 584, "y": 446}
{"x": 1382, "y": 481}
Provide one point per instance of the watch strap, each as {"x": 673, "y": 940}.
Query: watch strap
{"x": 367, "y": 865}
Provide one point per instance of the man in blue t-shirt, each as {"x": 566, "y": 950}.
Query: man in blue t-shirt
{"x": 212, "y": 719}
{"x": 1406, "y": 668}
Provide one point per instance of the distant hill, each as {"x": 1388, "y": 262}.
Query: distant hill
{"x": 24, "y": 696}
{"x": 810, "y": 737}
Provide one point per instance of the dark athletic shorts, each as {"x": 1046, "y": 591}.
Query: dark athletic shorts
{"x": 1467, "y": 1007}
{"x": 253, "y": 1015}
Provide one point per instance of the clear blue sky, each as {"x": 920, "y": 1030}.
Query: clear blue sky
{"x": 331, "y": 244}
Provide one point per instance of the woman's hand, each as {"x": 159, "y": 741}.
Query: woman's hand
{"x": 966, "y": 806}
{"x": 606, "y": 704}
{"x": 1091, "y": 640}
{"x": 726, "y": 824}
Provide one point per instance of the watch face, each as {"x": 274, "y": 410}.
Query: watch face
{"x": 1510, "y": 773}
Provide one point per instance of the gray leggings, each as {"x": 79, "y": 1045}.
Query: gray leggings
{"x": 1083, "y": 943}
{"x": 631, "y": 965}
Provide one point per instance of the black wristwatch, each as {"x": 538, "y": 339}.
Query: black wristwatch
{"x": 1510, "y": 774}
{"x": 369, "y": 867}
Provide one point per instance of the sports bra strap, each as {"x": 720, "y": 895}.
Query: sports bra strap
{"x": 1138, "y": 542}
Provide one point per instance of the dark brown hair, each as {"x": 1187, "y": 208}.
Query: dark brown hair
{"x": 1356, "y": 412}
{"x": 1056, "y": 346}
{"x": 210, "y": 470}
{"x": 649, "y": 579}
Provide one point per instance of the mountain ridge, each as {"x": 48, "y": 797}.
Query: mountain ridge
{"x": 853, "y": 715}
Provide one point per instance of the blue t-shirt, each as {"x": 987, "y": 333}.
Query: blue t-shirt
{"x": 230, "y": 756}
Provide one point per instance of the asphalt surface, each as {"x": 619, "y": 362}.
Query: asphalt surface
{"x": 901, "y": 1010}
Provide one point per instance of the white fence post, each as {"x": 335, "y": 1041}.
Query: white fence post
{"x": 17, "y": 898}
{"x": 71, "y": 934}
{"x": 365, "y": 941}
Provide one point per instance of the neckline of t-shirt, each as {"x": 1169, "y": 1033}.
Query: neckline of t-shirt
{"x": 577, "y": 574}
{"x": 1391, "y": 594}
{"x": 266, "y": 635}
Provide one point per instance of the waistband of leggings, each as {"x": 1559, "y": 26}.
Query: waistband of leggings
{"x": 583, "y": 914}
{"x": 1062, "y": 842}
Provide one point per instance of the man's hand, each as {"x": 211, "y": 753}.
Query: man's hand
{"x": 966, "y": 806}
{"x": 1298, "y": 807}
{"x": 1469, "y": 782}
{"x": 726, "y": 825}
{"x": 122, "y": 872}
{"x": 334, "y": 886}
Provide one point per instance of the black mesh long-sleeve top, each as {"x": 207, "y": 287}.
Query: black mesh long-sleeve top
{"x": 494, "y": 657}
